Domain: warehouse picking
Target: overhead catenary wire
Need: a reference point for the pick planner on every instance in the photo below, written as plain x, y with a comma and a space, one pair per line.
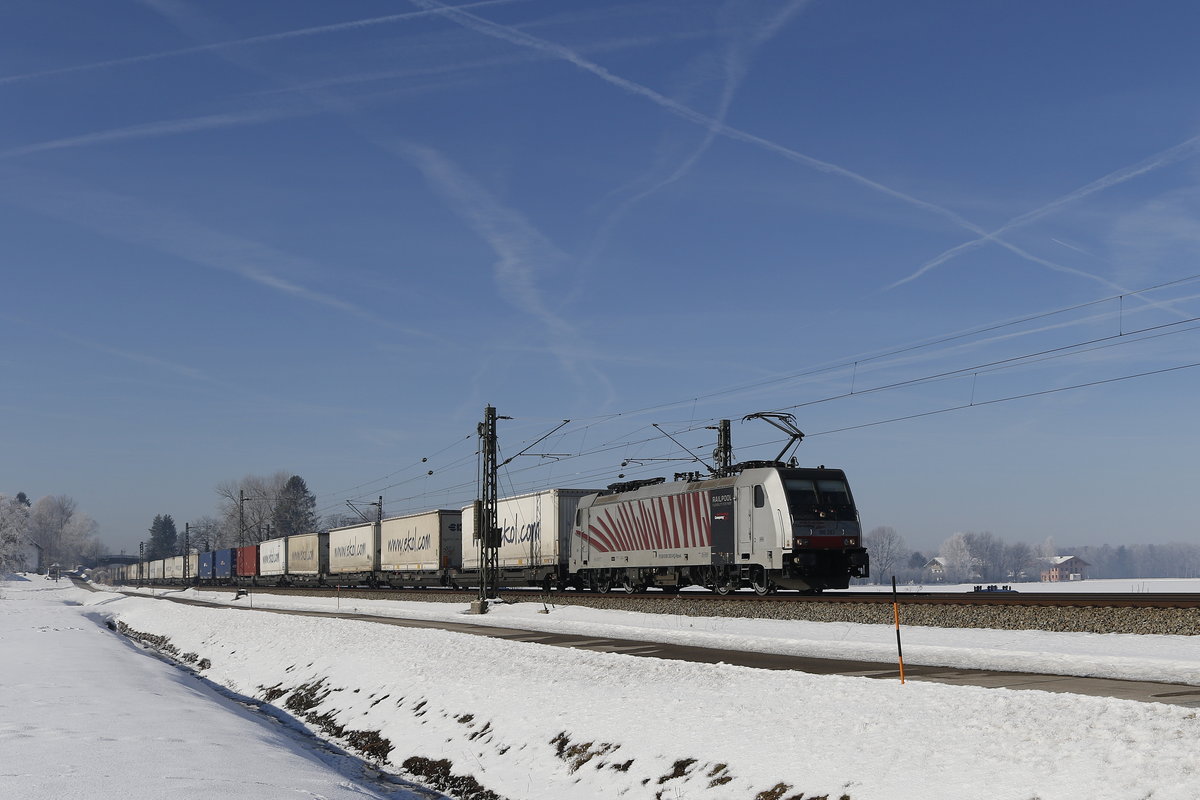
516, 478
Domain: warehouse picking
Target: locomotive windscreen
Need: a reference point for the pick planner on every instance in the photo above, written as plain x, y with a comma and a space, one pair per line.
812, 498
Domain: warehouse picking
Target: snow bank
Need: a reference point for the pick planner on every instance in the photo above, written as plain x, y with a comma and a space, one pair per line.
529, 721
1173, 659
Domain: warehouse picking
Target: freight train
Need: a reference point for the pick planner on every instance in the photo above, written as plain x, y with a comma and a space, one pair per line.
767, 526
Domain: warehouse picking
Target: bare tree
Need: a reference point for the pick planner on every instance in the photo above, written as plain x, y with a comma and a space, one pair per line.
1022, 562
48, 525
887, 549
204, 534
246, 506
957, 557
987, 554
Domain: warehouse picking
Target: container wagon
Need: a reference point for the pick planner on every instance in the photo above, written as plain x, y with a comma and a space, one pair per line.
224, 564
421, 549
246, 564
272, 561
354, 554
306, 558
535, 538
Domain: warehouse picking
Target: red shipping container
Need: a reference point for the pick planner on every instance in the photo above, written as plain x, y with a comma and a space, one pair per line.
247, 561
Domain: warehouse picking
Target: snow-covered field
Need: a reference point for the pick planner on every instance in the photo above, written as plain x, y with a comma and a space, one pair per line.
529, 721
1174, 659
1102, 586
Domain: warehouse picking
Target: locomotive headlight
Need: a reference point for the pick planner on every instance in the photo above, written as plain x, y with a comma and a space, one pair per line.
850, 542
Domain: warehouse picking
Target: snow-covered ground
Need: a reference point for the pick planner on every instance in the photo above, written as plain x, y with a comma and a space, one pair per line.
1101, 586
1173, 659
528, 721
86, 715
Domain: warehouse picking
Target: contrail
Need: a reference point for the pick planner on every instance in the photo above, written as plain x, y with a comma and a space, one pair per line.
520, 248
153, 129
252, 40
523, 39
124, 219
1179, 152
735, 59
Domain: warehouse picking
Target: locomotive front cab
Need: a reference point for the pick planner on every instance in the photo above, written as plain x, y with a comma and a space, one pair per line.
826, 536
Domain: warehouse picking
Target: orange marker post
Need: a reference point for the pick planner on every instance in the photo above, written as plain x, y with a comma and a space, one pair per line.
896, 613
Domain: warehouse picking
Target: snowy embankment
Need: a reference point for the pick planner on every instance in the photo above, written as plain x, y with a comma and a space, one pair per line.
1132, 586
1173, 659
528, 721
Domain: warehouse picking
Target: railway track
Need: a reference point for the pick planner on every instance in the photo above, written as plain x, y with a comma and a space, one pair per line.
1041, 599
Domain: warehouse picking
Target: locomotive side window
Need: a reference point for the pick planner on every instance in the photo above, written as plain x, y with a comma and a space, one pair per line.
760, 497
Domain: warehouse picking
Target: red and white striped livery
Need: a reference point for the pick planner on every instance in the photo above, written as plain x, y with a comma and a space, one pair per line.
765, 527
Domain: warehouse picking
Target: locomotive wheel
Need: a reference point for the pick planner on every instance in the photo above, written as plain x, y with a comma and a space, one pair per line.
723, 588
760, 584
603, 585
628, 586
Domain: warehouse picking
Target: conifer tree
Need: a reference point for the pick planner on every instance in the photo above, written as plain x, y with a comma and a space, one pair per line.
295, 511
163, 538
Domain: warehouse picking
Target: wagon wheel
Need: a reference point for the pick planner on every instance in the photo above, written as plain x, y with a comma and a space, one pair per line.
759, 582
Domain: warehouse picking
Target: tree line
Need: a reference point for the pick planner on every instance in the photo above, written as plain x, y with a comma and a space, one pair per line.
65, 535
253, 509
986, 558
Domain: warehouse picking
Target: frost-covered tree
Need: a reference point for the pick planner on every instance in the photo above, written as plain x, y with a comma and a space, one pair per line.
957, 559
887, 550
163, 538
48, 526
64, 534
1022, 562
295, 511
14, 530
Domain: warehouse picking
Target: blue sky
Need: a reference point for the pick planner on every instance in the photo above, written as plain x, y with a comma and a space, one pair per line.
320, 237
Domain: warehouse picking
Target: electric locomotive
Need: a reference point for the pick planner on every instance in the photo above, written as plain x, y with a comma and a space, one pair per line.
770, 526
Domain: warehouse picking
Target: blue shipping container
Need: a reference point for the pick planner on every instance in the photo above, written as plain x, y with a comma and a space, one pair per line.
205, 570
223, 563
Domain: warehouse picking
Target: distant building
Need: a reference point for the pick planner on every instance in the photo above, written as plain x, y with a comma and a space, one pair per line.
936, 569
1063, 568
